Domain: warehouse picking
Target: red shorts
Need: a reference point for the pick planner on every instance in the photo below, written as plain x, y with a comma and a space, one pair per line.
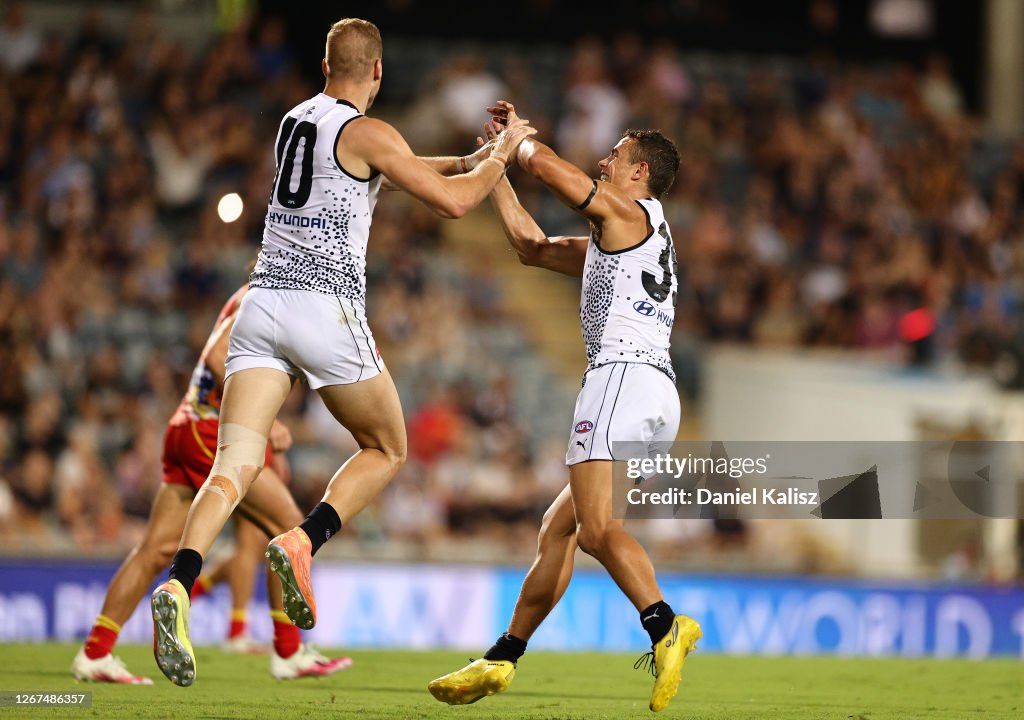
189, 449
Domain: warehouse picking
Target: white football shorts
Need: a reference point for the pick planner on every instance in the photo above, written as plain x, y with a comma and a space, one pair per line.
623, 402
320, 338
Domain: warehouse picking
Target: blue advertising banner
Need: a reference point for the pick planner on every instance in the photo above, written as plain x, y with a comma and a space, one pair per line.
44, 600
783, 616
467, 607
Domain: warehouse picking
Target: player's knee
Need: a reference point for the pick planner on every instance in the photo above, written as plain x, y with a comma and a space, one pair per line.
546, 525
392, 446
395, 453
592, 539
156, 556
240, 456
397, 458
164, 554
551, 530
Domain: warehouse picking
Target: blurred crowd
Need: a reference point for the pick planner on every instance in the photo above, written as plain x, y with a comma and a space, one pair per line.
817, 205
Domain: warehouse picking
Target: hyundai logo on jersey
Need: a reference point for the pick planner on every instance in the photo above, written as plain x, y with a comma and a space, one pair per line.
644, 308
584, 426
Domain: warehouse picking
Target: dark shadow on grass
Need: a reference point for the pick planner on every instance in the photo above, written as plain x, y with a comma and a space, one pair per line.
524, 693
35, 672
588, 696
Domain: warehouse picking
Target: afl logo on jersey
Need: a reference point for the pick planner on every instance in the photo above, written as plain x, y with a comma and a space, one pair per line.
644, 308
584, 426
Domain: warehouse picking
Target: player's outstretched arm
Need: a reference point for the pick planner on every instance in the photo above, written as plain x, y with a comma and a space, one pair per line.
565, 255
448, 164
595, 200
381, 147
458, 164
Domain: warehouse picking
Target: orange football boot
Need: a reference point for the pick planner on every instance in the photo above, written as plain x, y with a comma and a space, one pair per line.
290, 555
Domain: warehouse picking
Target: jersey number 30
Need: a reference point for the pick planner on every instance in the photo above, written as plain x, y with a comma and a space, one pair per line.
292, 131
659, 290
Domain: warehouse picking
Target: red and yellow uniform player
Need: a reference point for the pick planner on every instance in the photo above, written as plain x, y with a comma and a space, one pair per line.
190, 444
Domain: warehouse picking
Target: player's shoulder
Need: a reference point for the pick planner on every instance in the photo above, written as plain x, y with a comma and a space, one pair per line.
651, 207
319, 108
371, 126
368, 132
617, 204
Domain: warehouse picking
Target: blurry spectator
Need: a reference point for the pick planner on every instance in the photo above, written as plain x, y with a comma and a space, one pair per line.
668, 76
595, 110
628, 59
467, 87
412, 512
272, 57
8, 512
33, 487
23, 266
181, 155
781, 324
19, 44
966, 563
42, 424
435, 428
877, 324
86, 504
92, 36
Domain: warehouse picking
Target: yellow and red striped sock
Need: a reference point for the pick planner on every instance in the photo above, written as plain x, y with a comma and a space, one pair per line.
239, 622
286, 635
102, 637
202, 586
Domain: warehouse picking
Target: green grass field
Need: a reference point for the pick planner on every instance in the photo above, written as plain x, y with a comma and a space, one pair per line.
552, 686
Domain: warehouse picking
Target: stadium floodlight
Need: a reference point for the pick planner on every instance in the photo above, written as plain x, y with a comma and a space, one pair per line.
229, 208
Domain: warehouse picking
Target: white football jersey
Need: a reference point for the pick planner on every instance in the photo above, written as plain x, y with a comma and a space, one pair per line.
318, 217
627, 306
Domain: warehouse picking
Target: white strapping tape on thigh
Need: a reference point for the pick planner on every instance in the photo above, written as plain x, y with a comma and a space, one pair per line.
237, 447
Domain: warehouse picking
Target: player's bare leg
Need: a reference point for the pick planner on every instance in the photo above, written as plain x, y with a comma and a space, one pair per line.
129, 585
542, 588
288, 552
147, 559
371, 411
672, 636
551, 571
247, 561
269, 509
239, 572
605, 538
252, 399
269, 506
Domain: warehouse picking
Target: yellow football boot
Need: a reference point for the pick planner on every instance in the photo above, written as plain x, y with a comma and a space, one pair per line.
478, 679
171, 645
669, 655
